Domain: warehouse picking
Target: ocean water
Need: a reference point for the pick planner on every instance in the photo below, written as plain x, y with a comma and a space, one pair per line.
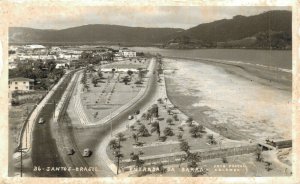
279, 59
259, 110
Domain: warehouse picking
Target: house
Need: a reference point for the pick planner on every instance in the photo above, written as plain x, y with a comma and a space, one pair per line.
127, 53
20, 83
118, 57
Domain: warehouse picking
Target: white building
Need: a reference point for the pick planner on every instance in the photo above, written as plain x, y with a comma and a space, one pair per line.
31, 47
127, 53
20, 83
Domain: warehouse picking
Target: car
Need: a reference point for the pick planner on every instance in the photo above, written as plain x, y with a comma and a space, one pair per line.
130, 117
70, 151
41, 121
86, 152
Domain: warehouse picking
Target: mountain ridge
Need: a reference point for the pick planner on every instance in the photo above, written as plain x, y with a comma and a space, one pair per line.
255, 31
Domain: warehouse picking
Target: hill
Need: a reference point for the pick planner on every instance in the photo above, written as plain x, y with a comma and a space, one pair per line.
272, 29
93, 33
269, 29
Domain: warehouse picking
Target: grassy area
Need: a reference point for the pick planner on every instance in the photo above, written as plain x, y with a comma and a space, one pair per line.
151, 145
109, 94
236, 166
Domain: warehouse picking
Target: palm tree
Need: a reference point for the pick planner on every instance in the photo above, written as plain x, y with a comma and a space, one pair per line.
258, 154
136, 158
179, 136
135, 137
154, 110
113, 144
120, 138
155, 128
118, 156
169, 111
195, 131
184, 146
211, 139
190, 121
175, 117
143, 131
95, 81
168, 131
169, 121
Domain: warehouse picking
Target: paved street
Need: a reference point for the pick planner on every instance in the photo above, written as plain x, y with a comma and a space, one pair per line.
44, 149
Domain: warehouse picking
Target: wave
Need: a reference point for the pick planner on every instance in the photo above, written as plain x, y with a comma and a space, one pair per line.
238, 62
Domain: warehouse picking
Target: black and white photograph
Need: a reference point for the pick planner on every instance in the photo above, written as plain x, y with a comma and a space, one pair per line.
150, 91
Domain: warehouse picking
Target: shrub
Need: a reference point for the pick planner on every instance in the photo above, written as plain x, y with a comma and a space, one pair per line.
162, 138
168, 131
143, 131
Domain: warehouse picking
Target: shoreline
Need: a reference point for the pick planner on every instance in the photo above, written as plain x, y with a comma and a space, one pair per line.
277, 79
209, 114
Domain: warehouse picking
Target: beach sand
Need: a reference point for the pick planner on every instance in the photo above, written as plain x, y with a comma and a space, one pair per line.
241, 102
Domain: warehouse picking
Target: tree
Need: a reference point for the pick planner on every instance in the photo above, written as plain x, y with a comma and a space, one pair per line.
169, 121
161, 168
95, 81
126, 80
211, 139
169, 111
135, 137
100, 75
113, 144
118, 156
180, 128
179, 136
159, 101
168, 131
129, 72
175, 117
143, 131
258, 154
155, 128
154, 110
121, 137
135, 157
190, 121
184, 146
196, 131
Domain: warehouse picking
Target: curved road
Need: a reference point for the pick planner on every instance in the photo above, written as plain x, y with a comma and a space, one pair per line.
99, 134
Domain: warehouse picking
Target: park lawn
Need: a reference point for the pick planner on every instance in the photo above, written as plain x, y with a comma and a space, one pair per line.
154, 147
237, 166
108, 95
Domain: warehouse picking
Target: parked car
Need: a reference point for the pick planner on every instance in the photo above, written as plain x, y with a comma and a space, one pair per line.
70, 151
41, 121
86, 152
130, 117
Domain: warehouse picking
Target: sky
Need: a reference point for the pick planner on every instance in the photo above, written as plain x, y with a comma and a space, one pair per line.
61, 17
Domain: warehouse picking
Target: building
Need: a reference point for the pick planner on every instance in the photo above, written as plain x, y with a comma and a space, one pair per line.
20, 84
127, 53
32, 47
